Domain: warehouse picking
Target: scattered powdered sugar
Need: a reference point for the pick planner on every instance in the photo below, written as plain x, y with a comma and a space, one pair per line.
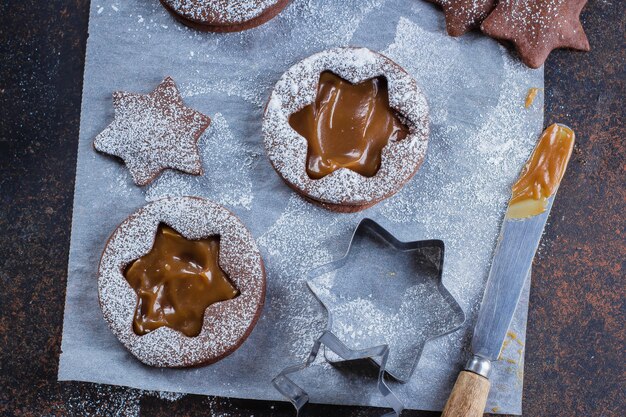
222, 11
325, 24
153, 132
225, 323
449, 206
287, 150
467, 14
487, 158
300, 239
241, 90
227, 169
536, 20
460, 193
108, 400
470, 87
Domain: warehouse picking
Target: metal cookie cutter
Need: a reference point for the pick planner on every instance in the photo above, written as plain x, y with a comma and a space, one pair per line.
299, 398
385, 299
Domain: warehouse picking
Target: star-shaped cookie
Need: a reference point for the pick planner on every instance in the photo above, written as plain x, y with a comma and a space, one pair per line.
154, 132
536, 27
464, 15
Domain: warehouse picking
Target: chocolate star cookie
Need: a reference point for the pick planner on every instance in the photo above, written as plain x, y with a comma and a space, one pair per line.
154, 132
536, 27
464, 15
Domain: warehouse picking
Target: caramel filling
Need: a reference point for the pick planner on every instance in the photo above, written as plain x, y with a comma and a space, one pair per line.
542, 173
176, 281
347, 126
530, 96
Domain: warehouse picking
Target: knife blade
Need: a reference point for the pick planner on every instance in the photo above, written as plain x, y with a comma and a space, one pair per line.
520, 233
515, 250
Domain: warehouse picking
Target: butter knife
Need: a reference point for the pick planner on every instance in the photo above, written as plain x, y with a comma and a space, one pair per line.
520, 233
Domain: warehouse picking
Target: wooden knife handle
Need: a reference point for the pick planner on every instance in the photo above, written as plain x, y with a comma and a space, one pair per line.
468, 397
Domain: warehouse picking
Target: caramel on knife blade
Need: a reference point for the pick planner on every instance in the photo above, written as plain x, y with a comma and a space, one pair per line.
542, 173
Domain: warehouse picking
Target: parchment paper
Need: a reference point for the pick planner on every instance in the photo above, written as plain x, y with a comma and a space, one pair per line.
481, 136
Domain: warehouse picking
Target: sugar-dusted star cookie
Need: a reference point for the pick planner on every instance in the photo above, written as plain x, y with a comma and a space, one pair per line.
154, 132
464, 15
536, 27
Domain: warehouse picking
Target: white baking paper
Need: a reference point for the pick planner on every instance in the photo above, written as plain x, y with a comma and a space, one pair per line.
481, 136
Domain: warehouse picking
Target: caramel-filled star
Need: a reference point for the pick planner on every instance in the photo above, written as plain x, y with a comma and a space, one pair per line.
347, 126
536, 27
176, 281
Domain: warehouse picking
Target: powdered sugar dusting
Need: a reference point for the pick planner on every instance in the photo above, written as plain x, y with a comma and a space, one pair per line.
241, 90
297, 242
296, 89
536, 21
464, 205
233, 75
463, 15
225, 11
444, 203
108, 400
227, 170
500, 146
153, 132
324, 24
225, 323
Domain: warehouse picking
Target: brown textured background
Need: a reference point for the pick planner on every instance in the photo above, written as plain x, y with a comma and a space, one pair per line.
575, 357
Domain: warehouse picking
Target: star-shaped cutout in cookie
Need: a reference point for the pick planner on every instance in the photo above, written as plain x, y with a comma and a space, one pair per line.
536, 27
464, 15
347, 126
176, 281
154, 132
387, 292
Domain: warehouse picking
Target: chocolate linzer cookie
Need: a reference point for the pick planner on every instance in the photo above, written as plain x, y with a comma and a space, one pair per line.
181, 282
346, 128
224, 15
464, 15
154, 132
536, 27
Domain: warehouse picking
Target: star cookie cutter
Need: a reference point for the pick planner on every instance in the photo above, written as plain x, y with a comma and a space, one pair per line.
299, 398
399, 304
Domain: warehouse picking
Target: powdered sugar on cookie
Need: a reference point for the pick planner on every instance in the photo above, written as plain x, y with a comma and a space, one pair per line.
154, 132
287, 150
226, 324
231, 11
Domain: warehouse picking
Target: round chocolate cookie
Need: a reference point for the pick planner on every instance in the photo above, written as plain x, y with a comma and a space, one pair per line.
224, 15
181, 282
346, 128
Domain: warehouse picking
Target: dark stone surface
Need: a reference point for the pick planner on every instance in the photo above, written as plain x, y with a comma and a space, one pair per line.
575, 348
